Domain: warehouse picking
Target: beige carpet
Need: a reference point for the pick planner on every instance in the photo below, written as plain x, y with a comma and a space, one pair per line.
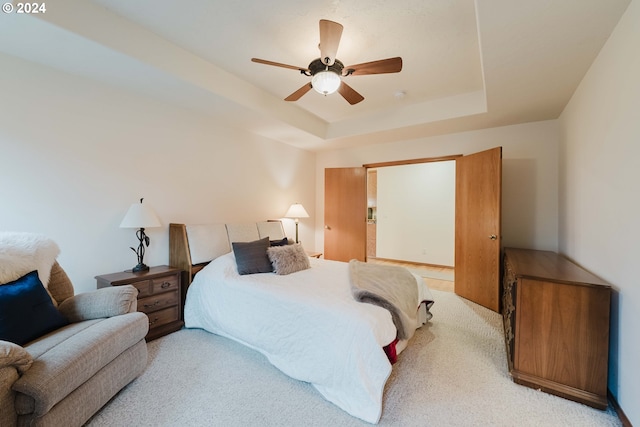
447, 275
454, 373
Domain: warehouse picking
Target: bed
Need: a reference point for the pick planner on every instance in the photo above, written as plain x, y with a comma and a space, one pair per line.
307, 324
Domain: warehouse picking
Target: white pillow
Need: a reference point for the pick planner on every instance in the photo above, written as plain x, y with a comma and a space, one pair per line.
21, 253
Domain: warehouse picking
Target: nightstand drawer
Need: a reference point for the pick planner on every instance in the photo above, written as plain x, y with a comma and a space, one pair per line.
164, 284
158, 302
144, 288
161, 317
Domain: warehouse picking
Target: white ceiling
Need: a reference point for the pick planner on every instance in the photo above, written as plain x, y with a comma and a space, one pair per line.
466, 64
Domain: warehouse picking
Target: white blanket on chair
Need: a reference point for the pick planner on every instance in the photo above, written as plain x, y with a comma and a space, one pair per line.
21, 253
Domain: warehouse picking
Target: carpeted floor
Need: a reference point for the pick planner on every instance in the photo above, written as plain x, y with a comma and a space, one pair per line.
447, 275
454, 373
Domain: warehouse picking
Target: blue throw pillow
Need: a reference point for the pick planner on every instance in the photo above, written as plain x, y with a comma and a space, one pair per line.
251, 257
26, 310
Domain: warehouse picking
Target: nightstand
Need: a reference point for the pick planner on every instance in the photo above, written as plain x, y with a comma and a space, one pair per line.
159, 296
314, 254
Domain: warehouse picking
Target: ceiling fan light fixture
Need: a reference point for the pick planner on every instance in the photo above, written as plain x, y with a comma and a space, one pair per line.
325, 82
327, 71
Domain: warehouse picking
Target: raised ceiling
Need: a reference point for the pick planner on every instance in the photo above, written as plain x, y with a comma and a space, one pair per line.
467, 64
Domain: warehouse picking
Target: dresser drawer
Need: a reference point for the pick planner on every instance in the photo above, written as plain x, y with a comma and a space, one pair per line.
144, 288
158, 302
162, 317
164, 284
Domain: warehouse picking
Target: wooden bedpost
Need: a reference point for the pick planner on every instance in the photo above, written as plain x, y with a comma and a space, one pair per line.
179, 254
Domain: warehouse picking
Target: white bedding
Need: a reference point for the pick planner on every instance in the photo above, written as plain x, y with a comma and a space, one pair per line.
307, 324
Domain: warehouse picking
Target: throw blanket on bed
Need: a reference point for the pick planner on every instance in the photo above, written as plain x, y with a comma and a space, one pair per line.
390, 287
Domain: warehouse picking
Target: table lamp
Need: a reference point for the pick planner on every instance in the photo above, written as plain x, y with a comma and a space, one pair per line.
140, 216
296, 211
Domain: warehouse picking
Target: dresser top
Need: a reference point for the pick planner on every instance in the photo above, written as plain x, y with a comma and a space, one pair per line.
547, 265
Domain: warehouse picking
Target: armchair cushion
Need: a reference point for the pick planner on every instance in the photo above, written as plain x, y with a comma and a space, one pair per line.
26, 310
13, 355
105, 302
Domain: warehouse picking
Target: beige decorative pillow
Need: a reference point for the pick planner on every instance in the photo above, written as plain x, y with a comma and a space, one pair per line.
288, 259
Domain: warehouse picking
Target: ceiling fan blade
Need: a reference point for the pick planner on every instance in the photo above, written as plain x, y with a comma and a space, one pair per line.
349, 94
298, 94
382, 66
330, 33
277, 64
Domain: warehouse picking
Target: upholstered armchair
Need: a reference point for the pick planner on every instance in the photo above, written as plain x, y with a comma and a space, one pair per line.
77, 355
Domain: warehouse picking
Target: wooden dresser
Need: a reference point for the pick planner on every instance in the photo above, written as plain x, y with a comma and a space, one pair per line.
159, 296
556, 323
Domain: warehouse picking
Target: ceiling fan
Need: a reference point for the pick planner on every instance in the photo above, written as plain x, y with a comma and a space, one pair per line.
326, 72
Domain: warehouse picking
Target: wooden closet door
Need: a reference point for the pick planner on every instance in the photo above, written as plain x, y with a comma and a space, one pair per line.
345, 213
478, 216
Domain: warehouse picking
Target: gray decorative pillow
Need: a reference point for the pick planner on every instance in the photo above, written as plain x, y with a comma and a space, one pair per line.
282, 242
288, 259
251, 257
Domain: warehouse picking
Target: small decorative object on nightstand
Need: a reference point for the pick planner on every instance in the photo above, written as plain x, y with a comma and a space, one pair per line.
159, 296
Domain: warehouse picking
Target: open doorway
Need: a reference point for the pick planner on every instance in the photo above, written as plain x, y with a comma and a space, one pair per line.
411, 216
478, 199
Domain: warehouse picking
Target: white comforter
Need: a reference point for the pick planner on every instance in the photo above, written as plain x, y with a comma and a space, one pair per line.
307, 324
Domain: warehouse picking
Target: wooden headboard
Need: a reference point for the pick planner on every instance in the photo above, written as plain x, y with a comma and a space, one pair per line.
192, 247
179, 254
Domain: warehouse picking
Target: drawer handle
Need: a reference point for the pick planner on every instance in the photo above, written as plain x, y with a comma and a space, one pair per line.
165, 285
152, 305
151, 322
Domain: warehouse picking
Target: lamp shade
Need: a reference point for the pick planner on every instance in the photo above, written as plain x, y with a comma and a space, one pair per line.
325, 82
140, 215
296, 210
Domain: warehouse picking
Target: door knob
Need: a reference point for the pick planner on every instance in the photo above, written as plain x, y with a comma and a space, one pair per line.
326, 227
493, 237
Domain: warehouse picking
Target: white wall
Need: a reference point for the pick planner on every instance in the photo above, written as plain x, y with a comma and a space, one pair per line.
416, 212
599, 197
529, 175
75, 154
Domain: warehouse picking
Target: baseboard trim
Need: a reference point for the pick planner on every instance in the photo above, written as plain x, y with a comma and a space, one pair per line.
417, 264
616, 407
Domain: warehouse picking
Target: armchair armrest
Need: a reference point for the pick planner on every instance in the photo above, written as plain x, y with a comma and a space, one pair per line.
12, 355
105, 302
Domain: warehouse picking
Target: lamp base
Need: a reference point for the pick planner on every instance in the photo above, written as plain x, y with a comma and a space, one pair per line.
140, 267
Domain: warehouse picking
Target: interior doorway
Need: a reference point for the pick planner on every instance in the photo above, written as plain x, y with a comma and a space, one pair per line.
478, 197
411, 212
